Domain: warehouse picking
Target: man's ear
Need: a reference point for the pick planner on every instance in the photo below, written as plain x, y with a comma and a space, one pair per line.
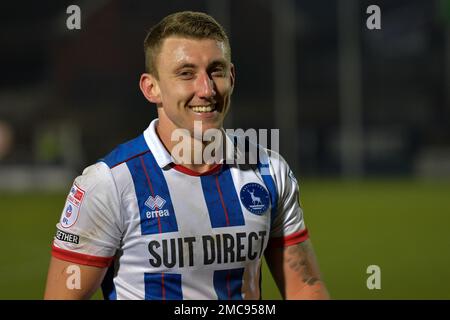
150, 88
232, 77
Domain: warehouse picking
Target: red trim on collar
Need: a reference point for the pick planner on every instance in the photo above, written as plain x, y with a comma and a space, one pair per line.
216, 168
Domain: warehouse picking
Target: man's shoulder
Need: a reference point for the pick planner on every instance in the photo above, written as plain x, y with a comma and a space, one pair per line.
99, 175
126, 151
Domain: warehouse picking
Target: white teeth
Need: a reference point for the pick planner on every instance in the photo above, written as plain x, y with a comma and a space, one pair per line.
201, 109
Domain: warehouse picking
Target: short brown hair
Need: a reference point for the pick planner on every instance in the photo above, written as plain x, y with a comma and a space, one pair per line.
189, 24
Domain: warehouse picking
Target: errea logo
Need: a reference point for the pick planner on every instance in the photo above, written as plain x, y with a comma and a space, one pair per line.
155, 202
158, 203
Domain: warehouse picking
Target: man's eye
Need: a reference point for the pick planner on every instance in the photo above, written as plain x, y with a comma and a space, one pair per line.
218, 72
186, 74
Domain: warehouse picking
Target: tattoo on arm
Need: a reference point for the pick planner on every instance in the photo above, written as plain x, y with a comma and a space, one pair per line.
301, 259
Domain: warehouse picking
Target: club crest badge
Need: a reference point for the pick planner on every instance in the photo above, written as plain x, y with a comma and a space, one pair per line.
255, 198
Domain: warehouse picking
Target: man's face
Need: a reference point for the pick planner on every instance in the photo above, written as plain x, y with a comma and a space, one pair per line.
195, 83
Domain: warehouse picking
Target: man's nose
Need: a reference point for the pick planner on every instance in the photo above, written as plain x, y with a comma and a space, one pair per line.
205, 86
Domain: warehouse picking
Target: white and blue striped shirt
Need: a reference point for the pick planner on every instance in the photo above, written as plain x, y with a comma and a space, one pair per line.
167, 232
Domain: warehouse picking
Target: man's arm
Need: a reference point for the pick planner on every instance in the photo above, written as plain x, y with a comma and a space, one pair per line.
60, 287
296, 272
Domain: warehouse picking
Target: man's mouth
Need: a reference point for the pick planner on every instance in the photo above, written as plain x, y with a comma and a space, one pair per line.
204, 108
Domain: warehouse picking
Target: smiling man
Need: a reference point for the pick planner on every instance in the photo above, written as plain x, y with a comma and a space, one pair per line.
146, 224
192, 84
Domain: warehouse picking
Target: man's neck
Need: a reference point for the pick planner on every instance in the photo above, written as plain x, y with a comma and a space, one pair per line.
195, 148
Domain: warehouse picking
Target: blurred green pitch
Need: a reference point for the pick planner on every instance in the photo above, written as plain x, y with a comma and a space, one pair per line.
403, 226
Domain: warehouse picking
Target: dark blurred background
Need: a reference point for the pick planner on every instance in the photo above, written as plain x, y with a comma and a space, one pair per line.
363, 117
348, 101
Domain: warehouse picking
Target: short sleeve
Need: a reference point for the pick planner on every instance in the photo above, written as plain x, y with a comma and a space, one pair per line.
288, 226
90, 229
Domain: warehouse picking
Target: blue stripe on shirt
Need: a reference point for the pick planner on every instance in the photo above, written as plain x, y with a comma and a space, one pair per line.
163, 286
222, 201
228, 284
270, 185
108, 287
151, 187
